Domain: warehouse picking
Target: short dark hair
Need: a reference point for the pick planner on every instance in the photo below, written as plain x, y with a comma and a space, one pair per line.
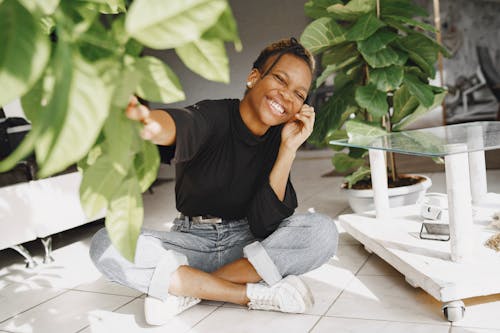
281, 47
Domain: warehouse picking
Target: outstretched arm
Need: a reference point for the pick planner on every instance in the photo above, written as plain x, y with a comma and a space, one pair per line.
159, 126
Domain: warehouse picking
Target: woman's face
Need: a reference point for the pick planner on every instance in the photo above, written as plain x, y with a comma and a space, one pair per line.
278, 96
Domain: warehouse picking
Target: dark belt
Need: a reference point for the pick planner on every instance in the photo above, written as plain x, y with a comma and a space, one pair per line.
201, 218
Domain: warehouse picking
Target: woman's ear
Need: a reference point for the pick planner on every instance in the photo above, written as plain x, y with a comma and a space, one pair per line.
252, 78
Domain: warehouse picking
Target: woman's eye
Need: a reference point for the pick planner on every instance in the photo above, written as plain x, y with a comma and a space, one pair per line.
300, 96
279, 78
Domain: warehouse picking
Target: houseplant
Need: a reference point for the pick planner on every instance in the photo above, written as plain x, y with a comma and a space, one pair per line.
75, 64
382, 57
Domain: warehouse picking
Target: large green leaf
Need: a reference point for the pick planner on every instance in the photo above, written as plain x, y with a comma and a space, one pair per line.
45, 7
333, 114
387, 78
225, 29
206, 58
404, 104
404, 8
317, 8
158, 82
422, 50
146, 164
120, 134
321, 34
420, 111
372, 99
344, 163
420, 90
360, 128
362, 173
124, 217
352, 75
339, 54
24, 50
99, 182
364, 27
163, 24
86, 102
377, 41
413, 23
385, 57
352, 10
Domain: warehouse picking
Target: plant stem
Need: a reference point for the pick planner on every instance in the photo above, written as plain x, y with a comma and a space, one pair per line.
378, 8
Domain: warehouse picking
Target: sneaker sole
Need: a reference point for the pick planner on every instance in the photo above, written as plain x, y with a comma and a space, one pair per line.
303, 289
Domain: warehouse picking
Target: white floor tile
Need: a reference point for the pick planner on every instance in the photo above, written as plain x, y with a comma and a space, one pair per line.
347, 325
326, 283
350, 257
72, 267
21, 296
130, 318
66, 313
102, 285
231, 320
386, 298
377, 266
481, 312
472, 330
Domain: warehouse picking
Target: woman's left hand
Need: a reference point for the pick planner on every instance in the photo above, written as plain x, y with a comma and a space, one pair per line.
297, 130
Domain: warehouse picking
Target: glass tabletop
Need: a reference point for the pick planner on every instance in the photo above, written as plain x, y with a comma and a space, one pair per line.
435, 141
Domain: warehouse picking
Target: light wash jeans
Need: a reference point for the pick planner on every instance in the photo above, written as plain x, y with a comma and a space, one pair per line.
301, 243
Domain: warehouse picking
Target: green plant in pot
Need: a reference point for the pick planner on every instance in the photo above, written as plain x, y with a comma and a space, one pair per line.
382, 58
75, 65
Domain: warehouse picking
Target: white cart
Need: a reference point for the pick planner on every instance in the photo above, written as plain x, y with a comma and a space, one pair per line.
449, 271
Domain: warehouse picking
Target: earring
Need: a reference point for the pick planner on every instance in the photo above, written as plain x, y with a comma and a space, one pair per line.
249, 84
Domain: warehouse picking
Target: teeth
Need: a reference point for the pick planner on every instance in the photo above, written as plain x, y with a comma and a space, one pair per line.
278, 107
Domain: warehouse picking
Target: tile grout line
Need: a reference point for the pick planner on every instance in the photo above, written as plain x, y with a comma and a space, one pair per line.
202, 319
118, 308
64, 291
395, 321
348, 283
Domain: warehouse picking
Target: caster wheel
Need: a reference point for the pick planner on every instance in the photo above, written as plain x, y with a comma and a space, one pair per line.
454, 311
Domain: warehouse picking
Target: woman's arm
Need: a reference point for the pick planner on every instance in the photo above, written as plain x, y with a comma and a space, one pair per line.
294, 133
159, 126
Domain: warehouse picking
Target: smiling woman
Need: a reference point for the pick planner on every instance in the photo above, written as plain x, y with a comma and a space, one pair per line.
236, 201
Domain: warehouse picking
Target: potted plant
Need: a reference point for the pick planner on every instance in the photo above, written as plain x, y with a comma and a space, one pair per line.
75, 64
382, 58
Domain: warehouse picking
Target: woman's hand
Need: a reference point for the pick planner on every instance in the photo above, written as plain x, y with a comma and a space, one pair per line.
138, 112
298, 129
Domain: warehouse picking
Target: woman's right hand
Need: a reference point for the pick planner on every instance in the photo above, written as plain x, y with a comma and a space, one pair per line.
138, 112
159, 126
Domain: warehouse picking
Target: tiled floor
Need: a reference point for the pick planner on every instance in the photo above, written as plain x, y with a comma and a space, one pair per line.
354, 292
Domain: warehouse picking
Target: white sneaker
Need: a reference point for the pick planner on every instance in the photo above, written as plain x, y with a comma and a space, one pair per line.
158, 312
288, 295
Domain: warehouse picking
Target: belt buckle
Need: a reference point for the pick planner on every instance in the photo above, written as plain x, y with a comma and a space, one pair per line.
201, 219
211, 220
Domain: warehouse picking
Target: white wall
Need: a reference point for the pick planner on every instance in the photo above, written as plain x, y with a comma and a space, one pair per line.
259, 22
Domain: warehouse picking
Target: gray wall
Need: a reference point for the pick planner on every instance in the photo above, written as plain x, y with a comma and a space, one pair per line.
465, 24
259, 22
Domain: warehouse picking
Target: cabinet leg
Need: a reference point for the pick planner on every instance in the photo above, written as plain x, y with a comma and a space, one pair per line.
30, 262
47, 245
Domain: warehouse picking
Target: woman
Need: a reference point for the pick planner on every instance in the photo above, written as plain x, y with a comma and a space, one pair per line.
236, 239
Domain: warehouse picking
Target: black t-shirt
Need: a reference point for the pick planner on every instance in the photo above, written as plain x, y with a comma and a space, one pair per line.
222, 169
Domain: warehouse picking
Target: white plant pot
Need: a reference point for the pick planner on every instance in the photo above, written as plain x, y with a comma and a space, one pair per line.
362, 200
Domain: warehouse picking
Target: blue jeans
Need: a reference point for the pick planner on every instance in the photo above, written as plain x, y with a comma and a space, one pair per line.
301, 243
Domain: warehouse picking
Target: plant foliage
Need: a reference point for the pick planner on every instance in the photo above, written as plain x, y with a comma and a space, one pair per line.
75, 64
382, 66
